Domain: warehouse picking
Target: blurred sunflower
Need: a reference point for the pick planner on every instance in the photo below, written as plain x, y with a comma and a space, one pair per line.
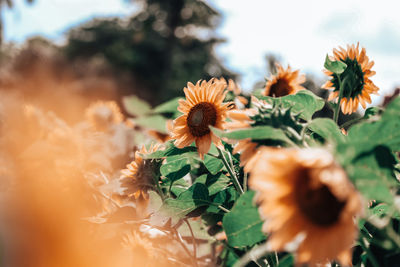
141, 174
102, 114
285, 82
306, 197
357, 86
143, 251
202, 108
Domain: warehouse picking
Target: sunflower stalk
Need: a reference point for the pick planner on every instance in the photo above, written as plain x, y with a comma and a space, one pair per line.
341, 89
231, 172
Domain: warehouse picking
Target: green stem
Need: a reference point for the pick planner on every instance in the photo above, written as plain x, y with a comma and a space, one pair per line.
223, 209
159, 190
231, 172
252, 255
341, 89
370, 256
245, 181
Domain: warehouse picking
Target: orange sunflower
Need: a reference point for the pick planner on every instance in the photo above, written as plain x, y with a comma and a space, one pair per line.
306, 197
358, 87
285, 82
202, 108
141, 174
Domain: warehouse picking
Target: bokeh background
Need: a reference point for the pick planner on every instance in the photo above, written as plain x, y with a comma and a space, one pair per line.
155, 47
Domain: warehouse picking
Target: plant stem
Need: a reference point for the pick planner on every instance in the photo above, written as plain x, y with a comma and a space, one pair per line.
245, 181
223, 209
231, 172
370, 256
341, 89
193, 240
252, 255
182, 243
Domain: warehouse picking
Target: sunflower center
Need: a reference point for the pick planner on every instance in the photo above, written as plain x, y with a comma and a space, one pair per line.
200, 117
352, 79
280, 88
317, 202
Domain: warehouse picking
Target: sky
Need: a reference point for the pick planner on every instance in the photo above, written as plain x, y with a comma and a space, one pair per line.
301, 33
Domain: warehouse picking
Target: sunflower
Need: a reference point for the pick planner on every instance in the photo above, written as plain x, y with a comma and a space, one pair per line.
306, 197
143, 251
102, 114
285, 82
202, 108
357, 87
141, 174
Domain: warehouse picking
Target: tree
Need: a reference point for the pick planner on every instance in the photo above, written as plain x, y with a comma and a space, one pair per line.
166, 44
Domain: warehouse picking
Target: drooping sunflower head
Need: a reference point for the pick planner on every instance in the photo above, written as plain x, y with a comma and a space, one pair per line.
285, 82
141, 174
357, 87
305, 194
102, 114
202, 108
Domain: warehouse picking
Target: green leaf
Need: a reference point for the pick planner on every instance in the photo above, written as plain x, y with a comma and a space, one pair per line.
170, 150
336, 67
304, 102
242, 224
175, 169
255, 133
327, 129
156, 122
170, 106
386, 131
287, 261
176, 209
372, 174
213, 164
135, 106
214, 183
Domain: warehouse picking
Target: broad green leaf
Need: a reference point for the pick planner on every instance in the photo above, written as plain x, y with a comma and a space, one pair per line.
170, 106
242, 224
214, 183
255, 133
386, 131
336, 67
372, 174
176, 209
327, 129
225, 198
170, 150
135, 106
287, 261
156, 122
304, 102
213, 164
176, 169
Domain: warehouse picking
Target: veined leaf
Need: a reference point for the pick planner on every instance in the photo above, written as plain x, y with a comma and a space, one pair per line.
327, 129
242, 224
304, 102
176, 209
256, 133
